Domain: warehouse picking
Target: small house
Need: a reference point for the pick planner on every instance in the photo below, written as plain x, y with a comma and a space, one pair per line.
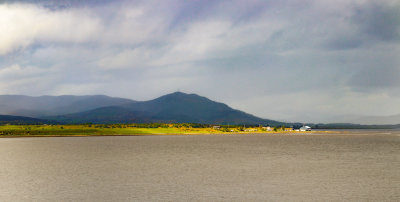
216, 127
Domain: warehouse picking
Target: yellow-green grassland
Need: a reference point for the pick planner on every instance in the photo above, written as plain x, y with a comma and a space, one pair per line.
131, 129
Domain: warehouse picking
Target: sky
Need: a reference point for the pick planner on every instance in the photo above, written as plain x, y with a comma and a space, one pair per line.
289, 60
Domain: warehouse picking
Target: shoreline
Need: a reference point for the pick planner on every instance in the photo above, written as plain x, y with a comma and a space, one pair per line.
215, 133
308, 133
12, 131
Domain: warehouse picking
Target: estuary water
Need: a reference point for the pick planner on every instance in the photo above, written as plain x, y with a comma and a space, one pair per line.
355, 166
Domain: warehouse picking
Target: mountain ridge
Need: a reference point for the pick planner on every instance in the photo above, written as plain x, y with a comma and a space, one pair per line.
175, 107
38, 106
21, 120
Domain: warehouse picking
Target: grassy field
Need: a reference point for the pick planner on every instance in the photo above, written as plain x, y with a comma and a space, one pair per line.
118, 129
88, 130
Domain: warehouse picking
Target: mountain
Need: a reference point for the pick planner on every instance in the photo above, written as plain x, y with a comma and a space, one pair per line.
18, 120
103, 115
182, 107
177, 107
21, 105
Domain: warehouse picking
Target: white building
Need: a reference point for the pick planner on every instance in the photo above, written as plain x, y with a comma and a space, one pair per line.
305, 128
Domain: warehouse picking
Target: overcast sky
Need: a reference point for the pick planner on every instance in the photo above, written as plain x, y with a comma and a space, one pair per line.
292, 60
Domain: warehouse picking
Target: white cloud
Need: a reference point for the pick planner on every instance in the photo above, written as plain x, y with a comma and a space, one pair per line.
127, 58
214, 39
133, 25
22, 25
76, 89
16, 72
28, 80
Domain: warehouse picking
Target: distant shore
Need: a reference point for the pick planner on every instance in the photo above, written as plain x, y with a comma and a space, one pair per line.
169, 134
139, 130
135, 130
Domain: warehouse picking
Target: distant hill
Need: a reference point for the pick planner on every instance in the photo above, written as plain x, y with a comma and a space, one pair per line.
394, 119
21, 105
363, 119
21, 120
176, 107
104, 115
353, 126
182, 107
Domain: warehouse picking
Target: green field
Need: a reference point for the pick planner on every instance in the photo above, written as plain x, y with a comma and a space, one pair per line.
124, 129
86, 130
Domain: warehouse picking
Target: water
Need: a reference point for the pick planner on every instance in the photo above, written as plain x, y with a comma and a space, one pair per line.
350, 167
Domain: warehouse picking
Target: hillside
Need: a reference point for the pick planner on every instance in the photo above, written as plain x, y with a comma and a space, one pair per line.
21, 105
173, 108
182, 107
21, 120
176, 107
103, 115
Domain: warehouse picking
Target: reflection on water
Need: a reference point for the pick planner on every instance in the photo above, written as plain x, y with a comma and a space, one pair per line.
202, 167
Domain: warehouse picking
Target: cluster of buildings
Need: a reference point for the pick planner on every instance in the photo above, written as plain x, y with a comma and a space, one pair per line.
268, 128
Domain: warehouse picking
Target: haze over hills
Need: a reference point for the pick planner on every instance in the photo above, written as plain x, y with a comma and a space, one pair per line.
21, 105
394, 119
362, 119
8, 119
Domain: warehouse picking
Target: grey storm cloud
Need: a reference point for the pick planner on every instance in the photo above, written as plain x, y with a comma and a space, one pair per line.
379, 21
300, 60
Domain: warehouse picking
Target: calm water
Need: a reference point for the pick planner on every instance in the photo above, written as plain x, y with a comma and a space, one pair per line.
362, 166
